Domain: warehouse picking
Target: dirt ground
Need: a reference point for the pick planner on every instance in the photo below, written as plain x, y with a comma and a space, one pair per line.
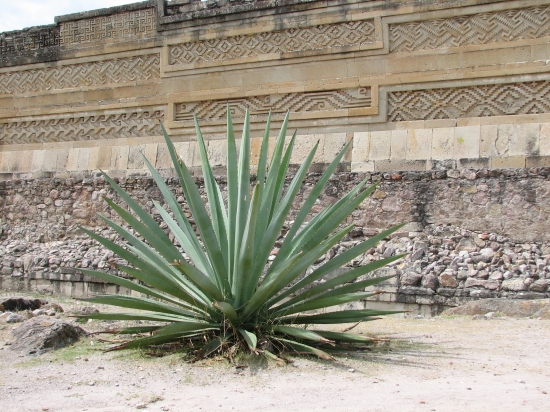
438, 364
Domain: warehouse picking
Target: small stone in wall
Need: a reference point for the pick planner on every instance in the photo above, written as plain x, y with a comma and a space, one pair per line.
446, 280
540, 285
514, 285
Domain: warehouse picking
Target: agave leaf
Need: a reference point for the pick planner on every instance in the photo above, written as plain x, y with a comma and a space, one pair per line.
166, 334
160, 317
211, 347
126, 283
319, 220
301, 348
250, 338
340, 280
268, 287
301, 334
310, 201
228, 310
335, 263
243, 200
151, 257
243, 268
308, 259
189, 241
274, 228
213, 193
170, 253
345, 337
325, 302
142, 214
141, 303
262, 163
157, 278
138, 329
232, 194
202, 220
343, 316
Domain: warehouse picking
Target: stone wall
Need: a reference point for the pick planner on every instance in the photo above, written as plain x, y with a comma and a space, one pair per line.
417, 85
471, 234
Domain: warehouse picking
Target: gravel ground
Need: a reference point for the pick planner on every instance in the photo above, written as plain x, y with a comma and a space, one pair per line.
439, 364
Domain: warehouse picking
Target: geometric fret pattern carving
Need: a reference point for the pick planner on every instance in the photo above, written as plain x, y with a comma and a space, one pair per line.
292, 40
114, 26
473, 101
483, 28
79, 128
323, 101
31, 39
78, 75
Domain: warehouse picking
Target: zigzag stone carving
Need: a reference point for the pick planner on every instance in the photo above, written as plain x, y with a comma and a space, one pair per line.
322, 101
79, 128
78, 75
114, 26
328, 36
497, 27
474, 101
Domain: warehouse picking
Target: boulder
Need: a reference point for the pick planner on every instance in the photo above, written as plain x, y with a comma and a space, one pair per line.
20, 304
42, 334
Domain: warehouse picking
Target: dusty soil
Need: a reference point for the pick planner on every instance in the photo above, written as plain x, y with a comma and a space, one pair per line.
439, 364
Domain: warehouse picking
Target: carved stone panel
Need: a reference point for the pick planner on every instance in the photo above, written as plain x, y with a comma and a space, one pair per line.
78, 75
30, 39
329, 36
109, 27
306, 102
473, 101
84, 127
483, 28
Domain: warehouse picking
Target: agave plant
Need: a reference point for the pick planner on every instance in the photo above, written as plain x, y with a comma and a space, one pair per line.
216, 285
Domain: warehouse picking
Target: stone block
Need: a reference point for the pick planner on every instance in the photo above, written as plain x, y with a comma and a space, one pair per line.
544, 139
119, 158
508, 162
517, 139
78, 158
380, 145
38, 158
333, 144
466, 142
442, 143
488, 137
100, 158
514, 285
357, 167
398, 149
21, 161
537, 161
360, 150
419, 144
61, 159
217, 152
396, 165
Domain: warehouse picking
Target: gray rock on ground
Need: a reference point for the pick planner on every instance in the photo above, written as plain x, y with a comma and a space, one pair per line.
42, 334
513, 308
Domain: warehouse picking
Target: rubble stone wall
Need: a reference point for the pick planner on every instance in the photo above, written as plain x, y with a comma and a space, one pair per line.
471, 234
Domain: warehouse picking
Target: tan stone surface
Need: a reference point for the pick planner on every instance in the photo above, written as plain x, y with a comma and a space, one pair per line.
444, 81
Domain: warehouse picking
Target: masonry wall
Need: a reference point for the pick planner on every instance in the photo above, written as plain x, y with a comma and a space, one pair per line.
446, 102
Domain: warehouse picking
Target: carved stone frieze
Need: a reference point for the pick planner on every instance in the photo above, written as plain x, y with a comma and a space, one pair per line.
473, 101
109, 27
306, 102
329, 36
482, 28
31, 39
78, 75
84, 127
